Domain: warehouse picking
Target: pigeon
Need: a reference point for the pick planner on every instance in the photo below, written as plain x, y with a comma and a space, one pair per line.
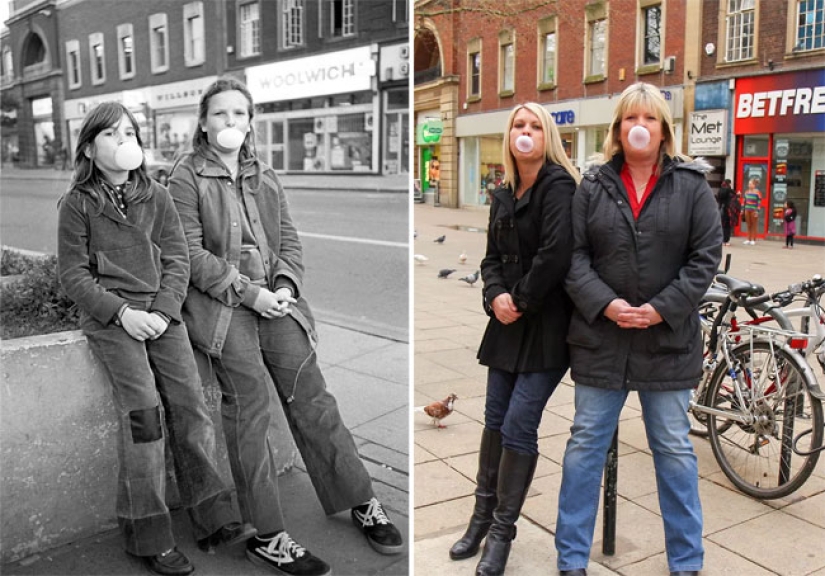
444, 272
439, 409
462, 258
420, 258
471, 278
441, 239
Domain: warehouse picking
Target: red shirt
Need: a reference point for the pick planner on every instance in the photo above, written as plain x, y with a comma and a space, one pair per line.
636, 203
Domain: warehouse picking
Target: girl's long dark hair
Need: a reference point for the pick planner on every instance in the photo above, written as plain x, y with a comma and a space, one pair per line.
200, 140
87, 177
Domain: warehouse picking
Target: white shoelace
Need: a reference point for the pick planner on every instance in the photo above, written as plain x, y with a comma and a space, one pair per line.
283, 548
375, 514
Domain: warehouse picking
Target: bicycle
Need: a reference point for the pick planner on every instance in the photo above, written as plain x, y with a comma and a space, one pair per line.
758, 393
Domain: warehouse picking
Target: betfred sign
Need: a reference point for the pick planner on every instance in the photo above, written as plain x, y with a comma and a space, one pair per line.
707, 135
780, 103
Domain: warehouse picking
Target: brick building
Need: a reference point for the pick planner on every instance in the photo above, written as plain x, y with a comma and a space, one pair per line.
329, 77
762, 76
571, 56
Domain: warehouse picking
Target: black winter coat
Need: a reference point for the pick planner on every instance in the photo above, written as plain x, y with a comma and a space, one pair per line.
667, 258
528, 255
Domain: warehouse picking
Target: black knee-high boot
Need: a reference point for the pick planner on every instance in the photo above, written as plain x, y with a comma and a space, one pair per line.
515, 476
486, 485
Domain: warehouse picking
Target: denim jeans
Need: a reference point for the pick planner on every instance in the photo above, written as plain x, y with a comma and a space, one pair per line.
258, 352
515, 404
153, 382
677, 474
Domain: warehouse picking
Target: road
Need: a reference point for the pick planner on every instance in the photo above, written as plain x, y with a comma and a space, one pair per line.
355, 248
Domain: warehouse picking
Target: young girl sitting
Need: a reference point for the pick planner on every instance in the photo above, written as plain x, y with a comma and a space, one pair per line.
122, 258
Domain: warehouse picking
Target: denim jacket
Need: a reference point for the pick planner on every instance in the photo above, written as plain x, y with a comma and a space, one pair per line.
205, 196
106, 260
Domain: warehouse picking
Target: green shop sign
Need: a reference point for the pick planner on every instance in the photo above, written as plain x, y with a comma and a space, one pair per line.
429, 132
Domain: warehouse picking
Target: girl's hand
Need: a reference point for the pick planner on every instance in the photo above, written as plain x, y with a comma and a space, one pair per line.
505, 309
273, 304
142, 325
160, 326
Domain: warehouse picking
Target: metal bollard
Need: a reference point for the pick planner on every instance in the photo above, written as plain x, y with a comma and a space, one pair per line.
611, 473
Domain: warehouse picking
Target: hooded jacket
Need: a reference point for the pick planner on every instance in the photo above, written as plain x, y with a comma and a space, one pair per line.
666, 258
528, 255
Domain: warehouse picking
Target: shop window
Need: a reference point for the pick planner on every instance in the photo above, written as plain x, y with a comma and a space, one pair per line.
341, 18
547, 53
507, 63
651, 27
159, 43
755, 146
810, 29
292, 23
97, 60
193, 36
249, 29
125, 51
73, 64
740, 25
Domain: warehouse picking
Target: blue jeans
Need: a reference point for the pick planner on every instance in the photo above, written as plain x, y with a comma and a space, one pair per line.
677, 474
515, 404
257, 353
154, 383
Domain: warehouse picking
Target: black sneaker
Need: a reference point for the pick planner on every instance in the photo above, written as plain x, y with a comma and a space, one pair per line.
284, 555
382, 535
229, 535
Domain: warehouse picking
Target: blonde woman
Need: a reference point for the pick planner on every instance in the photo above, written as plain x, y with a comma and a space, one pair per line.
527, 258
647, 240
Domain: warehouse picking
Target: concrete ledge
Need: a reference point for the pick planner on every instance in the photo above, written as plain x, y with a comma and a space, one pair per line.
58, 434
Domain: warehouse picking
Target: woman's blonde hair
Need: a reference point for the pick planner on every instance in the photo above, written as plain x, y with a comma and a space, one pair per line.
553, 147
646, 97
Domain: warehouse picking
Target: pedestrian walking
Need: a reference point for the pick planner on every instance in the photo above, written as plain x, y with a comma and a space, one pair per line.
726, 198
789, 223
636, 278
247, 314
122, 259
524, 348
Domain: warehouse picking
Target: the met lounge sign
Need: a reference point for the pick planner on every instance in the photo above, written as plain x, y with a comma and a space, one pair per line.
332, 73
708, 133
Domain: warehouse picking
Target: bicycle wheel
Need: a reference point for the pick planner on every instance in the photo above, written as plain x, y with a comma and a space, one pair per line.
767, 385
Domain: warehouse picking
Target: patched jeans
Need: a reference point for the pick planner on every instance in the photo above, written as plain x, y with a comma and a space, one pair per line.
515, 404
256, 353
677, 475
154, 383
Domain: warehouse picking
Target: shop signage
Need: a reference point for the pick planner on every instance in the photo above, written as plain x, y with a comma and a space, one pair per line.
564, 117
708, 133
331, 73
178, 94
429, 132
789, 103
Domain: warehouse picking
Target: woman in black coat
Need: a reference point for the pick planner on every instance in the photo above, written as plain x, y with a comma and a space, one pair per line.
647, 241
528, 255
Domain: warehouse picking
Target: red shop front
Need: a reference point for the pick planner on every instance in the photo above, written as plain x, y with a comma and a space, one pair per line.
779, 124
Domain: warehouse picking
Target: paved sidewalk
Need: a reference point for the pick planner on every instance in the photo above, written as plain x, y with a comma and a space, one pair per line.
369, 377
742, 535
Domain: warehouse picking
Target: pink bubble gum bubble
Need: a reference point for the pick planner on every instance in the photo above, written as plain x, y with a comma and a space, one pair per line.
638, 137
524, 144
128, 156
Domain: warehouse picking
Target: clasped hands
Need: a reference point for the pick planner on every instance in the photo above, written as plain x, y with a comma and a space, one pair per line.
627, 316
505, 309
142, 325
274, 304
